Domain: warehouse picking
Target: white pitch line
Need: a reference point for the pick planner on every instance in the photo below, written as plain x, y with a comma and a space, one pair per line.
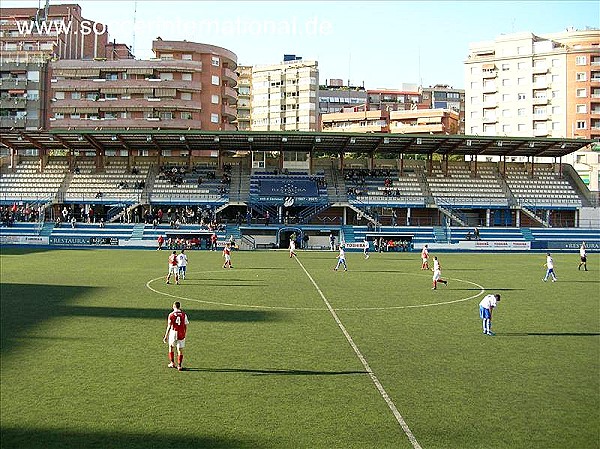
365, 364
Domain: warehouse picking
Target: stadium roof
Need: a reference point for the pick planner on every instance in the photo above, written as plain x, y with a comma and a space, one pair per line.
329, 143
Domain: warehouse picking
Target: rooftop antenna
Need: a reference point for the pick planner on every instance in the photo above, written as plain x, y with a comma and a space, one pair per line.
133, 38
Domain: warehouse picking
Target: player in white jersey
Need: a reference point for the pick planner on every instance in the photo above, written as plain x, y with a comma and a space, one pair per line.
437, 273
292, 247
182, 261
549, 268
487, 304
366, 248
341, 259
583, 257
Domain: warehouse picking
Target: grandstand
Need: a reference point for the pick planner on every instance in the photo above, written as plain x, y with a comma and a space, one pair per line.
425, 190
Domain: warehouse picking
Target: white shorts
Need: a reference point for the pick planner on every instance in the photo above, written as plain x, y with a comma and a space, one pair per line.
227, 258
425, 259
437, 274
179, 344
173, 269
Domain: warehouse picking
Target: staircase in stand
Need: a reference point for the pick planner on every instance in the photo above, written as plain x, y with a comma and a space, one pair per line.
531, 213
347, 234
138, 232
439, 234
46, 229
527, 235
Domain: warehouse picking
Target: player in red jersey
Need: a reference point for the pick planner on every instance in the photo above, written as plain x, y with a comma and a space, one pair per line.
176, 328
227, 255
173, 268
425, 258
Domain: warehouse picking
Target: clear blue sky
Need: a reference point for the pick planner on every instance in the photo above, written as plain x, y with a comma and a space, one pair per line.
380, 43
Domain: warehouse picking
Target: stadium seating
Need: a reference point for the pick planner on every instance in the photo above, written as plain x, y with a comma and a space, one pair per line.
544, 189
116, 183
460, 188
26, 183
183, 186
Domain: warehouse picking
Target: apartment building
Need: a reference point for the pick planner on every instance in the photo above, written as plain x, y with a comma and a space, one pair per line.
284, 96
244, 90
334, 96
404, 99
527, 85
443, 96
416, 121
60, 31
187, 86
356, 119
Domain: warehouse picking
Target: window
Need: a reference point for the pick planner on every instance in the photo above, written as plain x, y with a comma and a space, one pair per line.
555, 78
489, 130
474, 85
474, 129
186, 95
554, 93
505, 112
521, 96
520, 81
474, 100
521, 111
521, 50
580, 76
581, 93
166, 56
506, 82
215, 61
214, 99
474, 114
167, 76
506, 129
556, 110
580, 124
112, 76
505, 97
521, 127
539, 110
214, 118
59, 95
186, 57
75, 95
505, 67
186, 77
555, 126
215, 80
186, 115
581, 108
555, 62
580, 60
521, 66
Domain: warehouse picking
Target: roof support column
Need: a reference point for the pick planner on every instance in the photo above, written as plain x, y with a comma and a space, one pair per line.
371, 161
99, 160
341, 161
190, 163
446, 164
429, 164
401, 165
130, 162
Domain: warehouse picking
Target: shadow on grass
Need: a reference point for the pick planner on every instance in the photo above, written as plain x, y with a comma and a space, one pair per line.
68, 439
281, 372
24, 307
241, 316
548, 334
31, 305
579, 282
20, 250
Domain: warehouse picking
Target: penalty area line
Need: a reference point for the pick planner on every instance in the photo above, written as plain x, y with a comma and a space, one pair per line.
365, 364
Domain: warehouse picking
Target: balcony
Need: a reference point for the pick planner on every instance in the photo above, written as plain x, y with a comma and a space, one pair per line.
122, 86
539, 101
135, 104
415, 129
490, 119
230, 93
487, 74
490, 104
228, 111
13, 83
230, 76
540, 132
13, 103
540, 70
125, 123
540, 117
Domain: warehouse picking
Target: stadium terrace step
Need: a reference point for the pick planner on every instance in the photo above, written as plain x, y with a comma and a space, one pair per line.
138, 231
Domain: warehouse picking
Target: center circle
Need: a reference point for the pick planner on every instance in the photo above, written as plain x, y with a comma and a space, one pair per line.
345, 309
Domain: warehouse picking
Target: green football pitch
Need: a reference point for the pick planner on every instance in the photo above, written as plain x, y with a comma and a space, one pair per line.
287, 353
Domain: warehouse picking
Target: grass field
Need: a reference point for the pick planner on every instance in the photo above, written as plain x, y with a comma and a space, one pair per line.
268, 366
